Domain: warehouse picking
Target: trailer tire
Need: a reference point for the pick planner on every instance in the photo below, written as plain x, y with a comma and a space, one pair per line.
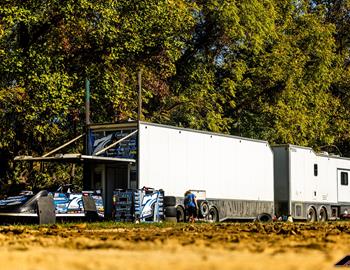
263, 217
170, 211
323, 214
169, 201
180, 214
311, 215
171, 219
213, 214
203, 208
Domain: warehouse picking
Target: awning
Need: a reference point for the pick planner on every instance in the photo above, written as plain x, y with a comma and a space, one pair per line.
73, 158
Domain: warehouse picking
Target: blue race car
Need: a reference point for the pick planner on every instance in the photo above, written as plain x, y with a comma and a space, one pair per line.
67, 204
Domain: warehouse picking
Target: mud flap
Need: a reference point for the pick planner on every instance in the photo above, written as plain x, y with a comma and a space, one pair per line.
46, 210
90, 208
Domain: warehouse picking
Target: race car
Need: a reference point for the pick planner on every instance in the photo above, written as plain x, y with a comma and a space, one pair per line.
62, 203
71, 204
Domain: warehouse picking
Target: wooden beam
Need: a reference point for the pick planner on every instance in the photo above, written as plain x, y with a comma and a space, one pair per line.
64, 145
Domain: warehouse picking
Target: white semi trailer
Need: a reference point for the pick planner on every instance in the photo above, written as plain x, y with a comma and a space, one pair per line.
310, 186
235, 172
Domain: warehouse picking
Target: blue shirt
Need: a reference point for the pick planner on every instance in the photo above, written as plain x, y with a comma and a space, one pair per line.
189, 200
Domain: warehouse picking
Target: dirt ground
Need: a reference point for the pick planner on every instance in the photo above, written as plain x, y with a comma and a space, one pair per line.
175, 246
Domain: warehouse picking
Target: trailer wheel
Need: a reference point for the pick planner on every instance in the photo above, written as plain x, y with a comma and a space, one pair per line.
311, 215
170, 211
169, 201
203, 208
264, 217
180, 214
213, 214
323, 214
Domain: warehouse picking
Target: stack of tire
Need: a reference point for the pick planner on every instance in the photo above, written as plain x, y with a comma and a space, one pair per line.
177, 214
170, 211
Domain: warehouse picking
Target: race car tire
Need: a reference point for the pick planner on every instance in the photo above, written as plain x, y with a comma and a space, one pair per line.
170, 211
171, 219
169, 201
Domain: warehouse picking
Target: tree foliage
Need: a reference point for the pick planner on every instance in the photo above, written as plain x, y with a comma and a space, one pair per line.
267, 69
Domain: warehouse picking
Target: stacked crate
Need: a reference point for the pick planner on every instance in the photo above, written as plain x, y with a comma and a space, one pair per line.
123, 205
138, 195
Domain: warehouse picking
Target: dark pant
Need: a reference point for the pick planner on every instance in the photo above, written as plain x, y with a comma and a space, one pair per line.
191, 211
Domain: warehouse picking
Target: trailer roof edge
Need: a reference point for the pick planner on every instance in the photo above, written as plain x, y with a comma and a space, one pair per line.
204, 132
311, 149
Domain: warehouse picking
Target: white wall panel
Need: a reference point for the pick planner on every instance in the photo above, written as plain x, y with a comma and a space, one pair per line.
226, 167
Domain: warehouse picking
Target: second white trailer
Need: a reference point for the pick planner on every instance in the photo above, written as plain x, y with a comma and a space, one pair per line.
310, 186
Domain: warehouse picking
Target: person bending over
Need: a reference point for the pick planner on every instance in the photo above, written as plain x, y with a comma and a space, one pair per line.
191, 206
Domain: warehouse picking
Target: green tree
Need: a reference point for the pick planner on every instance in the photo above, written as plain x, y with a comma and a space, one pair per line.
337, 12
294, 76
48, 48
267, 69
211, 69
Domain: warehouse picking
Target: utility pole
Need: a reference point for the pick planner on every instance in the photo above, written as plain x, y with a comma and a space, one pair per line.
86, 167
87, 102
139, 115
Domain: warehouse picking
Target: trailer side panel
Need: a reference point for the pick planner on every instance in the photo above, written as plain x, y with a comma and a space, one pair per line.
228, 168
